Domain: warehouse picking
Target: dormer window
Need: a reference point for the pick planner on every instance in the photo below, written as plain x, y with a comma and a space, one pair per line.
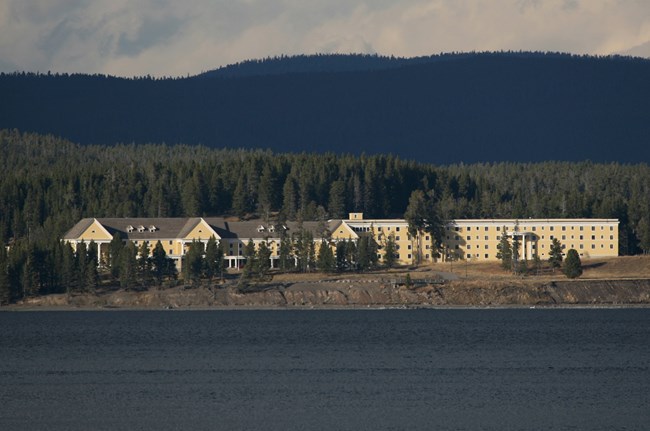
152, 228
260, 228
141, 229
129, 228
271, 228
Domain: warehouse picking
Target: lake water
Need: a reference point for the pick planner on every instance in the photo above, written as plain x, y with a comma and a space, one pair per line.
507, 369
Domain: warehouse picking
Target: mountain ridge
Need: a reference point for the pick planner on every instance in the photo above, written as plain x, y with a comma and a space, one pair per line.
520, 107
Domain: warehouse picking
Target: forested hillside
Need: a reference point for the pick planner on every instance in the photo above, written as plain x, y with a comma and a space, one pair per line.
48, 184
442, 109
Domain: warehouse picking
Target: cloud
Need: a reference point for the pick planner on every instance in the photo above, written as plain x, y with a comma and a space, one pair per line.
165, 37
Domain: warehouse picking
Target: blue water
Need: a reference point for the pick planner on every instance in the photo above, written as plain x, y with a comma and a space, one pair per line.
511, 369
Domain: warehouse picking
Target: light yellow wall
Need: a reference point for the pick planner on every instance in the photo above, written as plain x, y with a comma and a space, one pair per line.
95, 232
479, 240
202, 231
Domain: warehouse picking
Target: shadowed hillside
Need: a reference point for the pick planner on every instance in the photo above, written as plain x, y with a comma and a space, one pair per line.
441, 109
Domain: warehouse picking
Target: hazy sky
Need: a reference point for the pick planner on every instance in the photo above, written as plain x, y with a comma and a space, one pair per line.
172, 38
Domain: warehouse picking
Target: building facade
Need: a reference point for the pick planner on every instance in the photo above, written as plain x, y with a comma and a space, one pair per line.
473, 240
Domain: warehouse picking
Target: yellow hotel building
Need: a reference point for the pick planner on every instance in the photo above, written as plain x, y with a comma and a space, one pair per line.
473, 240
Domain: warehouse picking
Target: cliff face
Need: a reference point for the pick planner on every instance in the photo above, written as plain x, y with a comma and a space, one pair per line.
457, 293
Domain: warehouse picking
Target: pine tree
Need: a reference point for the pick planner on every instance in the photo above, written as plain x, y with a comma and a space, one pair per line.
555, 254
505, 251
325, 261
213, 259
159, 262
572, 265
423, 216
144, 264
285, 255
115, 251
341, 255
390, 251
263, 260
336, 204
193, 262
251, 257
128, 266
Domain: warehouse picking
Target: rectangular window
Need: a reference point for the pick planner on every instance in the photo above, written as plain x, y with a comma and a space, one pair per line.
486, 237
580, 237
397, 228
397, 238
550, 228
582, 246
611, 246
593, 246
426, 238
469, 237
486, 255
409, 247
469, 228
611, 237
551, 237
581, 227
486, 246
469, 246
593, 237
408, 256
486, 228
563, 227
593, 228
498, 228
563, 237
469, 255
426, 256
534, 228
611, 228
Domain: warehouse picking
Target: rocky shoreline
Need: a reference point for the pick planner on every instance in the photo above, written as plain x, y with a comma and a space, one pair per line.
360, 294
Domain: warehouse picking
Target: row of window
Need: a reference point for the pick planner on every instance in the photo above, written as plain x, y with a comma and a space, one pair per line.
532, 228
551, 237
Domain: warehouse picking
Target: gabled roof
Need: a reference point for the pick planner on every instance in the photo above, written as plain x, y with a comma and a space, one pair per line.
78, 229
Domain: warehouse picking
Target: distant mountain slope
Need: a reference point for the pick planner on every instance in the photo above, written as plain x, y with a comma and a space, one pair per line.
441, 109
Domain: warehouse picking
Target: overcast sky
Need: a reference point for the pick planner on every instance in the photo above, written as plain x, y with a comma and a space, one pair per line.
177, 38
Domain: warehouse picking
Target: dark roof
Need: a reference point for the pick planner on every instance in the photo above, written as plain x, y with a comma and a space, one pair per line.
181, 227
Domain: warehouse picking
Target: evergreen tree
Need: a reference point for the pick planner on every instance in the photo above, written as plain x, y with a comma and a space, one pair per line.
336, 204
159, 263
341, 256
505, 251
351, 255
193, 262
422, 216
572, 265
325, 261
115, 251
390, 251
67, 269
285, 254
251, 260
128, 266
555, 254
213, 259
144, 264
263, 260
